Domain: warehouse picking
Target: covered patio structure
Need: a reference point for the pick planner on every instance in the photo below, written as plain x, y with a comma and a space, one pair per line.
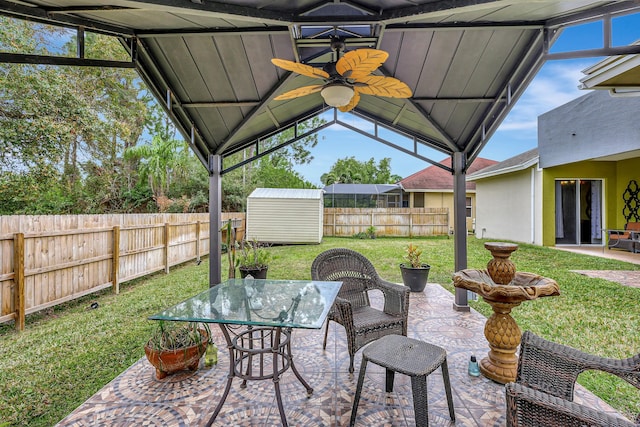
209, 62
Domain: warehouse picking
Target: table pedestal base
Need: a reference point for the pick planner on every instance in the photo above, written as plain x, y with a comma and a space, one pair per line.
259, 354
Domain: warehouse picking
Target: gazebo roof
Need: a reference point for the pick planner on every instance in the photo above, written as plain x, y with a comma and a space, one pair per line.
466, 62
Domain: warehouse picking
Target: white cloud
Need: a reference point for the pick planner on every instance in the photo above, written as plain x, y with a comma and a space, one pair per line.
523, 124
354, 121
555, 85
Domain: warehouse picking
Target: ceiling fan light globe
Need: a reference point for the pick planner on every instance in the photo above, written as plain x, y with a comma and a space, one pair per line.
337, 95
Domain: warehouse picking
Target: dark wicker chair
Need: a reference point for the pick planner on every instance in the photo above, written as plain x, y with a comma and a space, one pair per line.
352, 308
543, 392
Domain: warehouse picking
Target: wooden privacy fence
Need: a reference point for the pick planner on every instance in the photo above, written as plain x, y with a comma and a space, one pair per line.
387, 221
48, 260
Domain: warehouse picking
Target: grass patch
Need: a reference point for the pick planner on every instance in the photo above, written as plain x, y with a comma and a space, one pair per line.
67, 353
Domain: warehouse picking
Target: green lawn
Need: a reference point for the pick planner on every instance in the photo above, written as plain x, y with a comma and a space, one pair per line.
68, 353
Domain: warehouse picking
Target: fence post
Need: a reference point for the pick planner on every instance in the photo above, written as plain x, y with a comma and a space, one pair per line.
115, 264
198, 241
166, 247
18, 279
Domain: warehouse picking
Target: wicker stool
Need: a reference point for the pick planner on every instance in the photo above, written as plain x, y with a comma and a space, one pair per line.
411, 357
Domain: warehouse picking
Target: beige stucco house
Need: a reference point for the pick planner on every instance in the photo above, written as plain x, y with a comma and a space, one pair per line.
508, 198
433, 188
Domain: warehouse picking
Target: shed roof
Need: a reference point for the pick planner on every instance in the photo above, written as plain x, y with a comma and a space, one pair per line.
285, 193
437, 179
361, 188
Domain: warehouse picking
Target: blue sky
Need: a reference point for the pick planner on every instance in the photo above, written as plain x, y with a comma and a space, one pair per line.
556, 84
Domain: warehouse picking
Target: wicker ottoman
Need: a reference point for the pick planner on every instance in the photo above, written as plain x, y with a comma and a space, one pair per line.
397, 353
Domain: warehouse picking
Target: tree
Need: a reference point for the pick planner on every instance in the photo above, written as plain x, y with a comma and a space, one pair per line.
274, 174
64, 132
272, 171
351, 171
30, 192
160, 162
33, 104
123, 102
71, 121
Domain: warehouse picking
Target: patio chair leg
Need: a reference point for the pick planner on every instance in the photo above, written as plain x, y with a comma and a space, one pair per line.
356, 399
420, 400
447, 389
390, 375
326, 332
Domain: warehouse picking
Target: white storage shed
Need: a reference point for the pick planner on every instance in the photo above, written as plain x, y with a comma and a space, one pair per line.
285, 215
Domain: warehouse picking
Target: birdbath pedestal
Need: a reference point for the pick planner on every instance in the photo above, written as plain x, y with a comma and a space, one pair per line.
503, 288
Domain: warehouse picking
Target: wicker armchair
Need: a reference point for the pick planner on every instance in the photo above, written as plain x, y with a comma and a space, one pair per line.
352, 308
543, 392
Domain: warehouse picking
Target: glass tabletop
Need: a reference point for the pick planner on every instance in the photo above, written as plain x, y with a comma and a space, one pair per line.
283, 303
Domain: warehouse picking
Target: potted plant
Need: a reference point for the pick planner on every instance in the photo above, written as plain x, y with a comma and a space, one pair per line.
175, 346
253, 260
414, 272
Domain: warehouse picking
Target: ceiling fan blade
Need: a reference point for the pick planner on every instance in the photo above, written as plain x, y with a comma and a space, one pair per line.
359, 63
296, 67
383, 86
301, 91
354, 101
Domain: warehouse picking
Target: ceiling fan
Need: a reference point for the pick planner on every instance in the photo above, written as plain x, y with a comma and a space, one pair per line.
346, 78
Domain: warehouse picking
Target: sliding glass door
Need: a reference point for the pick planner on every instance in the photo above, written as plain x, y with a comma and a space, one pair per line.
578, 211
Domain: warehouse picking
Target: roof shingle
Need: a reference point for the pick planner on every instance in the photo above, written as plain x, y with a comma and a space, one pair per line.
436, 178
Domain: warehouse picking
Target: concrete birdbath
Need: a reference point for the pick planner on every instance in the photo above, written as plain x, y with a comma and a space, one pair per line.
503, 288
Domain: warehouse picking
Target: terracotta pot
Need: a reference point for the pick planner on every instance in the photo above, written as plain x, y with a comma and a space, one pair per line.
415, 278
170, 361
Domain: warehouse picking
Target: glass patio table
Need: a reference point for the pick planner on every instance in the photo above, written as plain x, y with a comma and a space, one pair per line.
256, 318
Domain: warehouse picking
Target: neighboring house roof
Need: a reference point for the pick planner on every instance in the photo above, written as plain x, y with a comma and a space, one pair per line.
516, 163
286, 193
360, 188
619, 74
436, 178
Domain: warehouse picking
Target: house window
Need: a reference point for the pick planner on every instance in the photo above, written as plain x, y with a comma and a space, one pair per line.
469, 206
418, 200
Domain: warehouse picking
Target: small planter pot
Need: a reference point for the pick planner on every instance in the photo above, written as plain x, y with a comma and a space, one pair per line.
170, 361
415, 278
256, 273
